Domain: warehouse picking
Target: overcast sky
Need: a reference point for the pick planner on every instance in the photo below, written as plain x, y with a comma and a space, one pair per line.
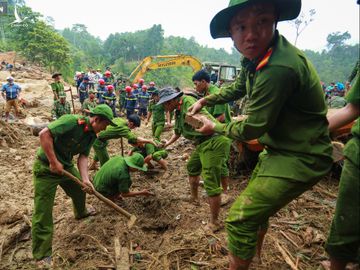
191, 18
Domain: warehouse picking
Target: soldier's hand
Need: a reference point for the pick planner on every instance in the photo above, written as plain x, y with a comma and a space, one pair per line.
56, 167
208, 126
89, 187
197, 106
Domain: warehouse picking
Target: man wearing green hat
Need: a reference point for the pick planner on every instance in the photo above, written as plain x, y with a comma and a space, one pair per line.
158, 115
61, 106
113, 179
60, 141
286, 112
121, 130
57, 86
208, 157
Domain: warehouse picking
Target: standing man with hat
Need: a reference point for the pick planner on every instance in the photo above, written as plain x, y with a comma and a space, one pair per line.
286, 112
208, 157
57, 86
11, 93
64, 138
61, 106
89, 103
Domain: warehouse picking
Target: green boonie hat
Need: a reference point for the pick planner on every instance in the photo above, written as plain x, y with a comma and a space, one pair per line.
105, 111
219, 25
62, 95
136, 161
167, 94
91, 91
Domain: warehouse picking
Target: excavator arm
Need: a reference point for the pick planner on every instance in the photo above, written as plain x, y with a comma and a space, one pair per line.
163, 61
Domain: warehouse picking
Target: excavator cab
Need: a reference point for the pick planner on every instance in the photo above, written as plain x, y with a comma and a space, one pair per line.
220, 73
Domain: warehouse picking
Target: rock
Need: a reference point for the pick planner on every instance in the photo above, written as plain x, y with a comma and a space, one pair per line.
17, 158
12, 151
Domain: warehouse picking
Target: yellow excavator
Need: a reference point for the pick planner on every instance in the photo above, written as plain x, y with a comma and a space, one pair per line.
220, 72
163, 61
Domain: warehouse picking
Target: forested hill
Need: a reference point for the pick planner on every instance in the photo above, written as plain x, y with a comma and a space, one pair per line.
74, 49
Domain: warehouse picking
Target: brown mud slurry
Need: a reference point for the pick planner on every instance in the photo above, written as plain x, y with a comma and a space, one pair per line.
169, 231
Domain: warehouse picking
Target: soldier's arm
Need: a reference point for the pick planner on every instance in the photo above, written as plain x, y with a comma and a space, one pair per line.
82, 164
270, 92
47, 144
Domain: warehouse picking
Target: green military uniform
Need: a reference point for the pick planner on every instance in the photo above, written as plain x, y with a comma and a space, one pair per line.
111, 132
344, 238
336, 102
88, 104
59, 109
58, 89
72, 135
210, 153
150, 149
113, 177
216, 111
158, 119
287, 113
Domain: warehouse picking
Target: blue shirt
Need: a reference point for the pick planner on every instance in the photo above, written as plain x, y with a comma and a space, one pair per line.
12, 90
100, 91
84, 87
143, 99
130, 101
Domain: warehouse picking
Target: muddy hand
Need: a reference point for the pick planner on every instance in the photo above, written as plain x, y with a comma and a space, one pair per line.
89, 187
208, 126
56, 167
196, 107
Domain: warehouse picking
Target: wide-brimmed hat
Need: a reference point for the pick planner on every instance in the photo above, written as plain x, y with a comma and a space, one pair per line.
62, 95
136, 161
104, 111
56, 74
167, 94
219, 25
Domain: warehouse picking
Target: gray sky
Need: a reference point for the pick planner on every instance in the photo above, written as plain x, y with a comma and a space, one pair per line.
191, 18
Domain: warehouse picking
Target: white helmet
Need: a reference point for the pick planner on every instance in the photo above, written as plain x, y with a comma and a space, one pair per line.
10, 78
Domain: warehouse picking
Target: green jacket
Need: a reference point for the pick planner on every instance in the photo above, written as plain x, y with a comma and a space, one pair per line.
60, 109
336, 102
72, 135
286, 112
218, 109
121, 130
182, 128
158, 113
58, 88
88, 104
113, 177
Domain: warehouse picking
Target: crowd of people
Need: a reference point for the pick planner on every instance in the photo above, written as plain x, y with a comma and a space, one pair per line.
286, 111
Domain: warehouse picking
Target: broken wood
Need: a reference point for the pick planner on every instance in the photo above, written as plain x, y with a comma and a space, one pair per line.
285, 255
121, 256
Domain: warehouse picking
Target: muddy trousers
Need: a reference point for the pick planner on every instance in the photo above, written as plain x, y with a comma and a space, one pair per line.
157, 130
344, 238
261, 199
45, 185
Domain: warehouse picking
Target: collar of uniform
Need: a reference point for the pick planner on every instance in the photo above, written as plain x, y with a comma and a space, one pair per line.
85, 121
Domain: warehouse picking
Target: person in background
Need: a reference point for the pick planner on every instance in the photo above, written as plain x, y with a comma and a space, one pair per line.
57, 86
151, 88
89, 103
143, 101
131, 101
61, 106
84, 89
110, 98
11, 93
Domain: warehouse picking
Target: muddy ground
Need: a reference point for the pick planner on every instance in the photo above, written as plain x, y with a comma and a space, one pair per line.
169, 232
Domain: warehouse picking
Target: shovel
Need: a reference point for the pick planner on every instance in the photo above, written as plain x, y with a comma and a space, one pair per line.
132, 218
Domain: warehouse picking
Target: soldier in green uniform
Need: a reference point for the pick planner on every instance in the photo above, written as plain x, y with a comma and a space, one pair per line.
158, 115
208, 157
113, 179
64, 138
286, 112
60, 107
150, 152
343, 244
221, 112
121, 130
89, 103
57, 86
